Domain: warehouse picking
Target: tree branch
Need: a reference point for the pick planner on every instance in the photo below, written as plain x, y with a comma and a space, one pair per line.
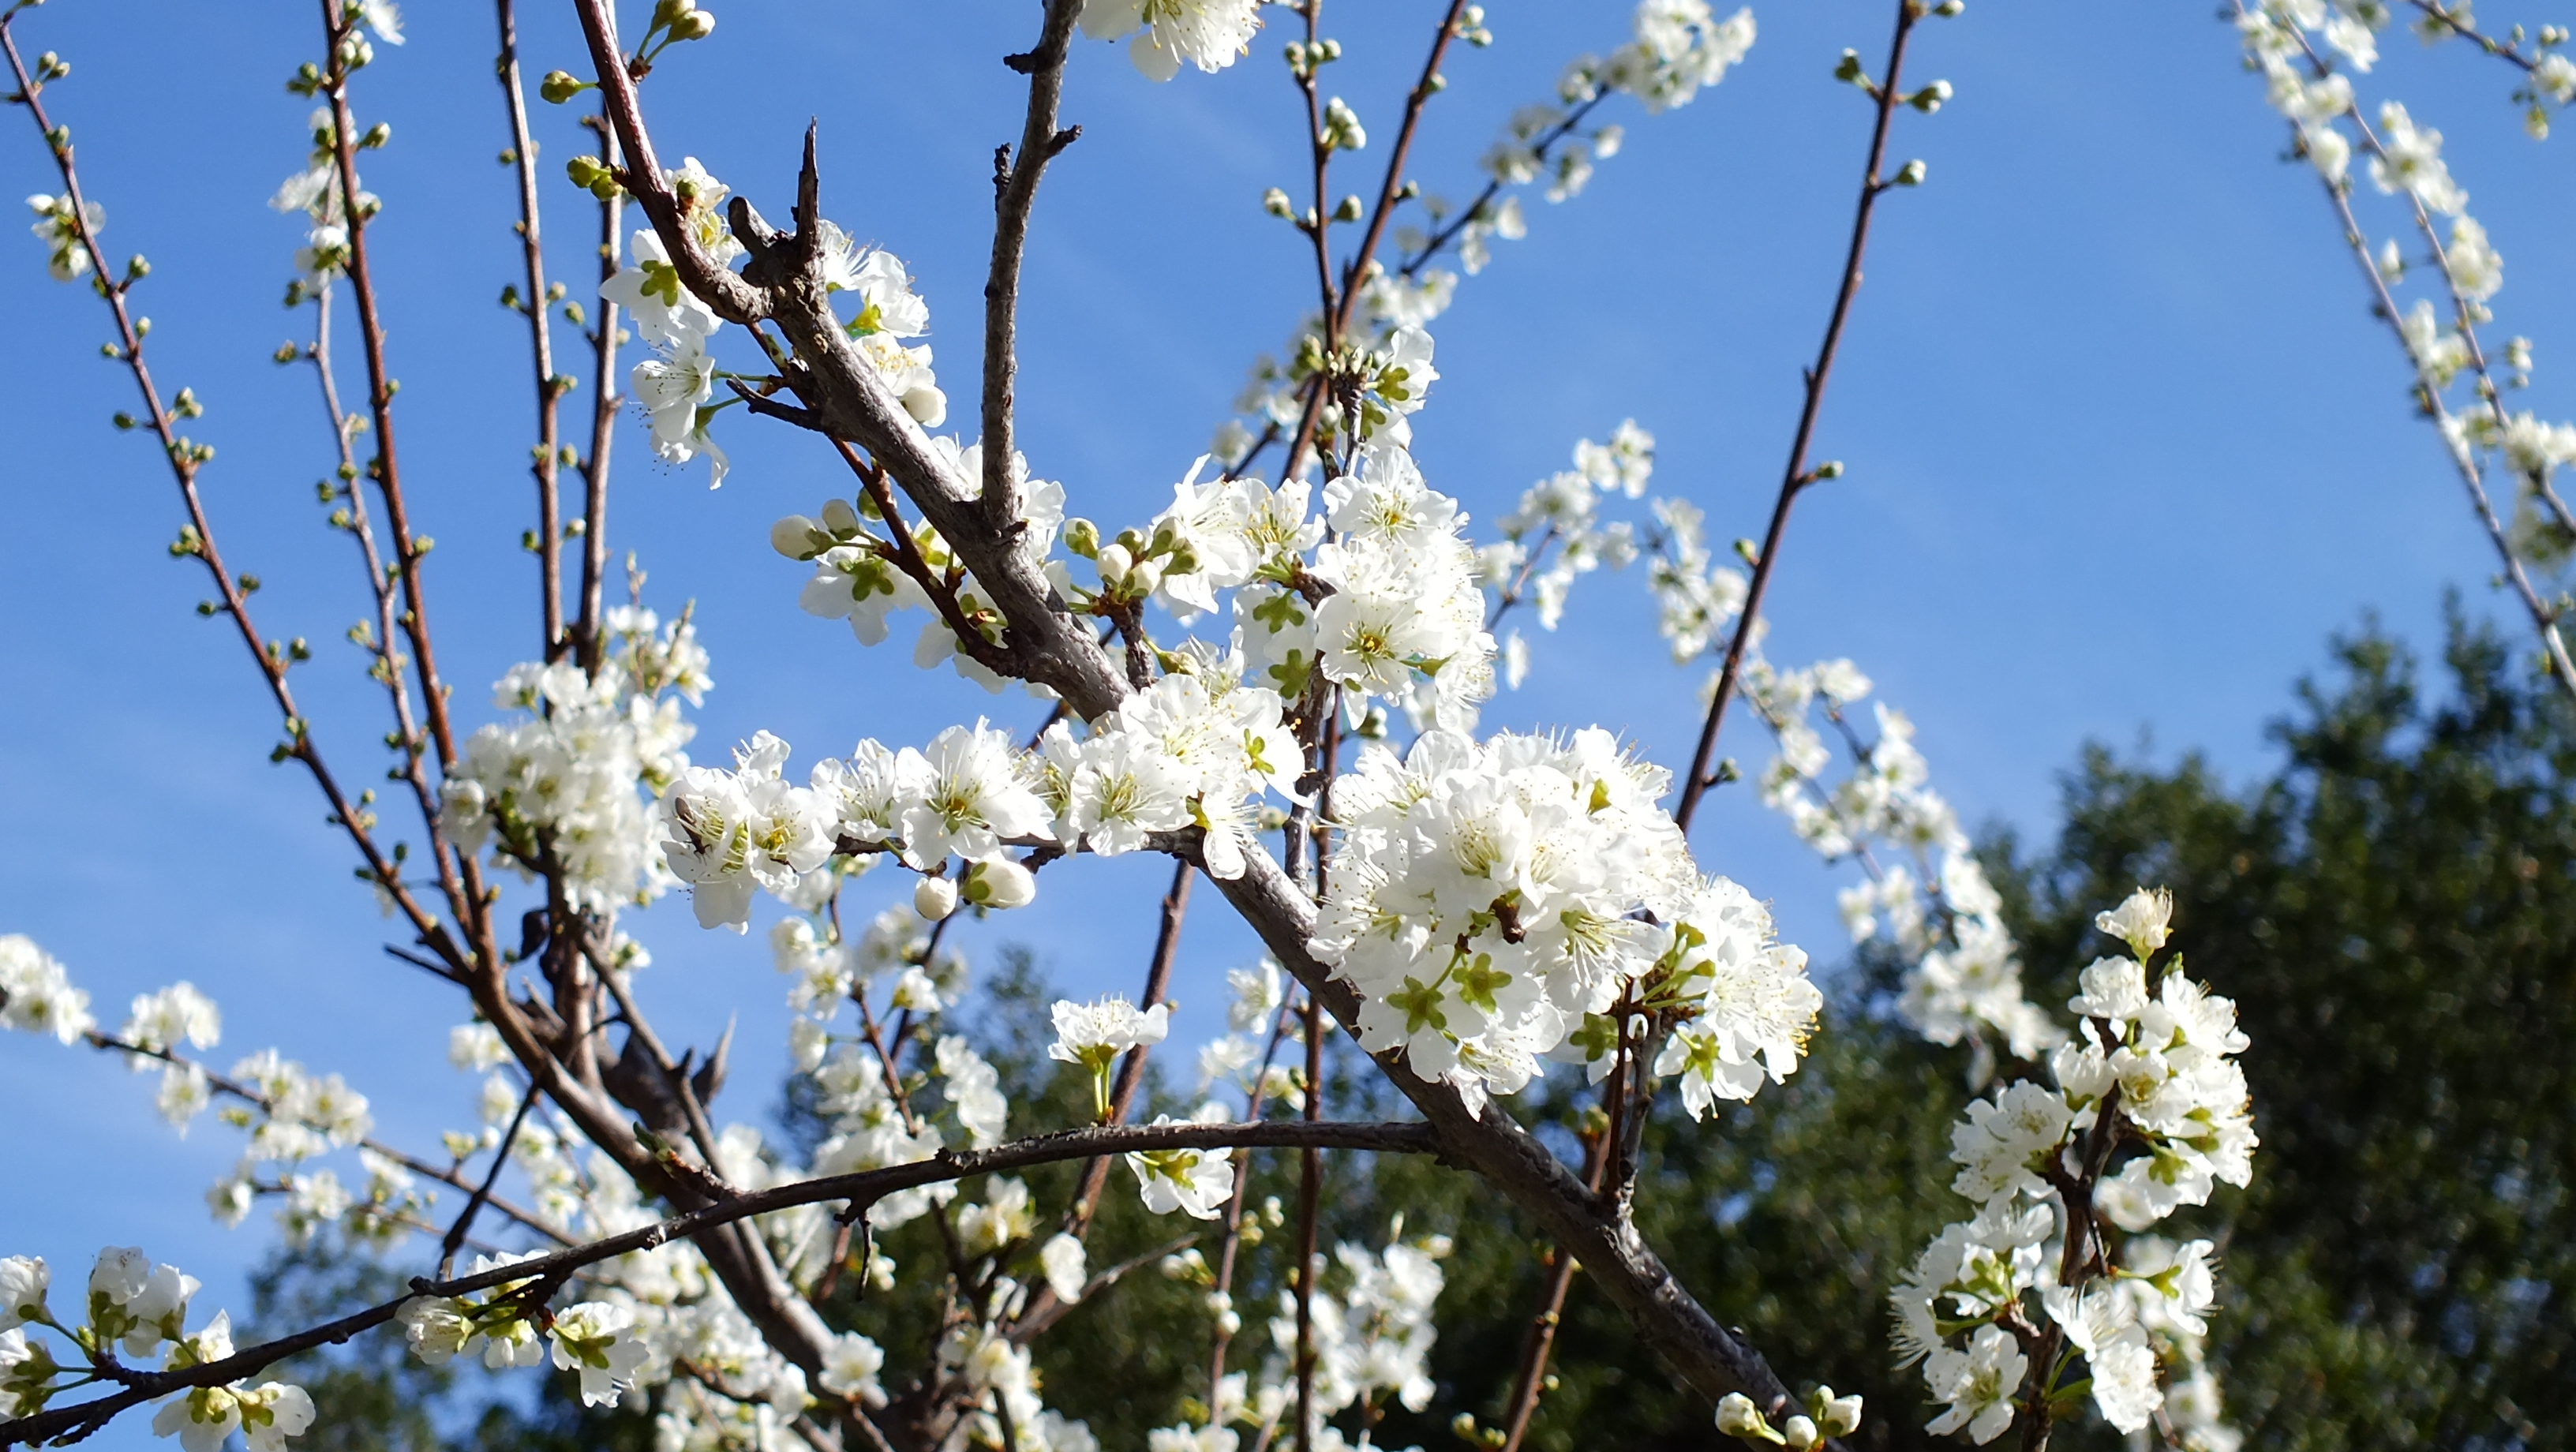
1795, 479
860, 1190
1015, 197
185, 458
539, 308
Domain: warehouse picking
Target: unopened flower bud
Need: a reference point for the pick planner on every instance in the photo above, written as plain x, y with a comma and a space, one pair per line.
1082, 537
1144, 578
1841, 1415
1799, 1433
1115, 562
561, 86
840, 518
696, 25
1911, 175
934, 898
793, 537
1276, 203
1929, 99
927, 405
999, 883
1737, 1417
1351, 209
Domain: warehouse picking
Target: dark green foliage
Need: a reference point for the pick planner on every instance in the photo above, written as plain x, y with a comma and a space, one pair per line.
2394, 911
2395, 915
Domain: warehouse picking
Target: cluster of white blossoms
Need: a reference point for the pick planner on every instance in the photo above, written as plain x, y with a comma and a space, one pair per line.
570, 786
1209, 34
860, 570
1556, 534
2405, 160
1373, 1330
288, 1117
996, 1371
2149, 1083
1503, 901
1696, 597
1238, 1056
316, 192
1925, 891
136, 1309
594, 1338
1826, 1415
37, 996
676, 387
1675, 48
1400, 616
59, 226
969, 795
292, 1117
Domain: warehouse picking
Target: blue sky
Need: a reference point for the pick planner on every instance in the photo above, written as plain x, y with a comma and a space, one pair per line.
2124, 448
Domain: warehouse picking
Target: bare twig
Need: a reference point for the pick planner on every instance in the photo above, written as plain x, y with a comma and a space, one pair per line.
2428, 396
1797, 476
185, 458
464, 1225
1015, 196
540, 310
605, 401
2459, 24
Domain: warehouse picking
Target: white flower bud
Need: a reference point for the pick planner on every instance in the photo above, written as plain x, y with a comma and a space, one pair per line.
934, 898
1842, 1415
999, 883
840, 518
927, 405
793, 537
1737, 1417
1114, 562
1142, 580
1799, 1433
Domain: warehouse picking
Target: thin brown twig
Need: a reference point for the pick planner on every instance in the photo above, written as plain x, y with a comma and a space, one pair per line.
185, 458
1531, 1382
2429, 398
539, 309
388, 667
907, 556
464, 1226
1258, 1097
1798, 476
1390, 191
337, 23
2465, 314
1310, 1185
234, 1088
1014, 199
2461, 26
1441, 237
605, 402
